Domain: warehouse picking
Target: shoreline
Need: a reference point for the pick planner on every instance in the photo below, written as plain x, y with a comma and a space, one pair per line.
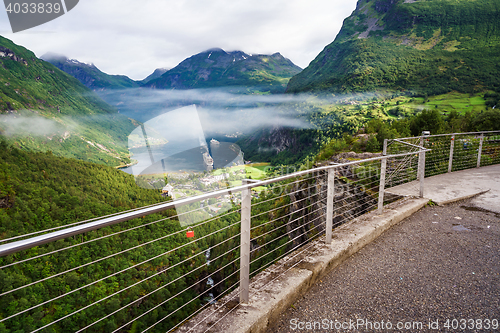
123, 166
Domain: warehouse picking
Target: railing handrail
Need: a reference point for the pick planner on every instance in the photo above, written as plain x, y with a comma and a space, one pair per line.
25, 244
407, 143
446, 134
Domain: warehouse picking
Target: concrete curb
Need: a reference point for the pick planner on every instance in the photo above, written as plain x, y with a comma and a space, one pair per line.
279, 286
445, 202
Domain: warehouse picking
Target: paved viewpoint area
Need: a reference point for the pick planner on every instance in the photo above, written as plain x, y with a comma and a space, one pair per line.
436, 271
460, 184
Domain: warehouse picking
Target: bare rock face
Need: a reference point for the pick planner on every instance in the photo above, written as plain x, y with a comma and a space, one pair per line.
307, 211
6, 202
280, 139
8, 53
348, 157
351, 156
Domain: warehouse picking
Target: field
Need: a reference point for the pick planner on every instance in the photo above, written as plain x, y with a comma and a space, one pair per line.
403, 106
458, 102
252, 171
256, 170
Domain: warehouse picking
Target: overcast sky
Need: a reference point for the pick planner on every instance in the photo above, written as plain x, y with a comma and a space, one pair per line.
134, 37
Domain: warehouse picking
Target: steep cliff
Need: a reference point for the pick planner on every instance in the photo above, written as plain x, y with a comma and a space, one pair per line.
424, 46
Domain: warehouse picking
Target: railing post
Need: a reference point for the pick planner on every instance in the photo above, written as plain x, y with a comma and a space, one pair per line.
452, 145
418, 166
382, 179
480, 150
421, 169
329, 205
246, 202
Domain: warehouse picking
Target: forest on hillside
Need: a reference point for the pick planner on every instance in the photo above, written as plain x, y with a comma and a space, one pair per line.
427, 120
144, 268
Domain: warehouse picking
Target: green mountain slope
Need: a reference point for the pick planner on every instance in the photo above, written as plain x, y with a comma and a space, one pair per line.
146, 256
27, 82
217, 68
39, 191
423, 46
89, 74
42, 108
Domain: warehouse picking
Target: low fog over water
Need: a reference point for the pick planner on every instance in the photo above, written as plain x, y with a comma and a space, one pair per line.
224, 111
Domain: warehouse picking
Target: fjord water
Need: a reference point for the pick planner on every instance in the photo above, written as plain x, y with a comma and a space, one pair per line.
159, 159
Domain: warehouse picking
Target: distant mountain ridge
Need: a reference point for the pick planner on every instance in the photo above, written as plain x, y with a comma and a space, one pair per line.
424, 46
208, 69
156, 74
89, 74
218, 68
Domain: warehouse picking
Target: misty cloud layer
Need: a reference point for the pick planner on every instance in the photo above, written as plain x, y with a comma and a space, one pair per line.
13, 125
222, 110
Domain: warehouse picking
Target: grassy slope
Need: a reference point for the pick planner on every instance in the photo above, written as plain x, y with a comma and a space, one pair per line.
80, 120
33, 83
43, 191
429, 47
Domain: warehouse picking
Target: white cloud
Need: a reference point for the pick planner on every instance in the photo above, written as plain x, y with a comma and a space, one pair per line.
134, 37
34, 125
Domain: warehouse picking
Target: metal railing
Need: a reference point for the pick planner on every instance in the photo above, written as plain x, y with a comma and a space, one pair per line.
141, 271
451, 152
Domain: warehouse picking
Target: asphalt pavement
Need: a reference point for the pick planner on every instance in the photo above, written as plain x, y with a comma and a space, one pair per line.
436, 271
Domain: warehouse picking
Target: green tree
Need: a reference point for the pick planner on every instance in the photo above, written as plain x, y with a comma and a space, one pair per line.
427, 120
372, 145
487, 120
382, 130
402, 127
